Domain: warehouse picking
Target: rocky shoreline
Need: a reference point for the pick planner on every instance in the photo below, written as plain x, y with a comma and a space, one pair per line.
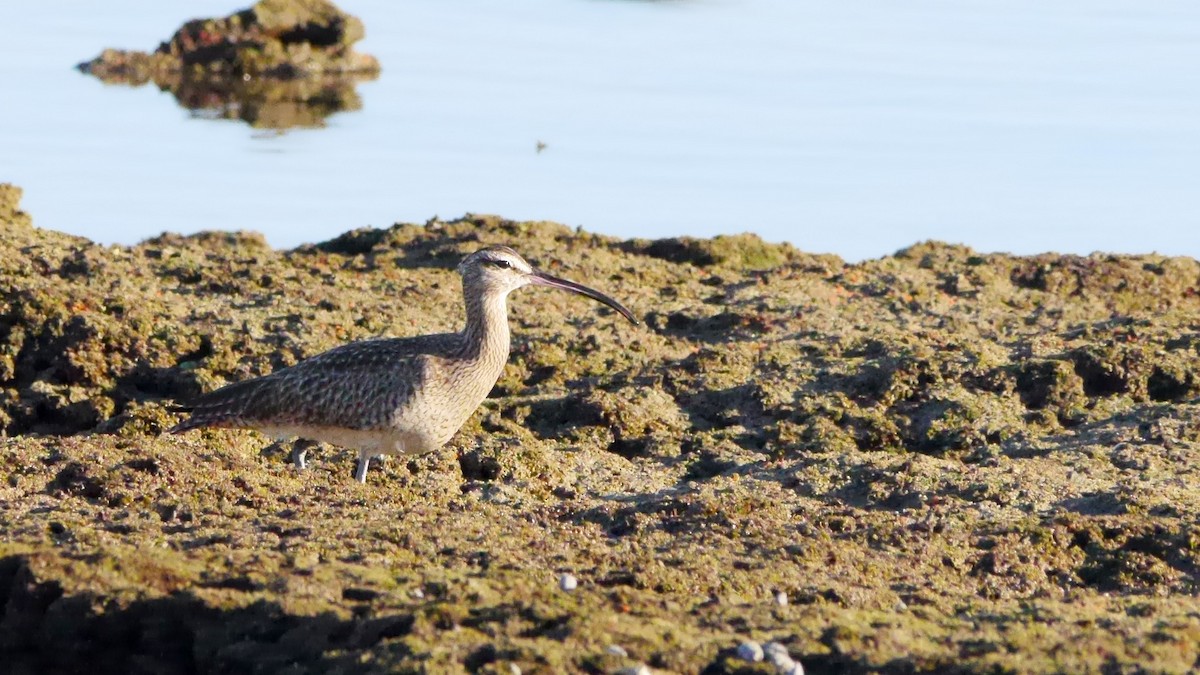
941, 461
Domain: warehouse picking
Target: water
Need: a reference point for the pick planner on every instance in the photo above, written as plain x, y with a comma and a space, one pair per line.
852, 128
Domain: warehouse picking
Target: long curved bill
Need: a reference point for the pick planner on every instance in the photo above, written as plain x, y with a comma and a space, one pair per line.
542, 279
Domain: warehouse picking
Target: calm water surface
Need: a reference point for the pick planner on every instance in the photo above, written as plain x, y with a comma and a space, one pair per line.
853, 128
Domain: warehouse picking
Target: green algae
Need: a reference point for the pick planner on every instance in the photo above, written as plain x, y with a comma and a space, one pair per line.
947, 461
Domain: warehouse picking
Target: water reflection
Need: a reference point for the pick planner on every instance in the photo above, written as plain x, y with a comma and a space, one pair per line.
277, 65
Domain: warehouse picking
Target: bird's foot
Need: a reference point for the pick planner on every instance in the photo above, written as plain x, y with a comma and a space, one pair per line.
360, 472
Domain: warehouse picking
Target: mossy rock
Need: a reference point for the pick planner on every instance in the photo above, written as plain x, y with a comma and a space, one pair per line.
739, 251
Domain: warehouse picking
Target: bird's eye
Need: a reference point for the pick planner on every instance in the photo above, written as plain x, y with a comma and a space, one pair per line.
502, 264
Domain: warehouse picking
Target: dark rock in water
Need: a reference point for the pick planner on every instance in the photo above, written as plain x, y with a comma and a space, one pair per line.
278, 64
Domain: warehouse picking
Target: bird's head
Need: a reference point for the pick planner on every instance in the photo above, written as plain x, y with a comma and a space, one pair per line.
501, 270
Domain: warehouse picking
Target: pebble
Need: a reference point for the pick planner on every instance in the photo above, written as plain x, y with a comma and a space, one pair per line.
514, 669
567, 581
616, 650
778, 656
750, 651
781, 598
417, 593
776, 653
639, 669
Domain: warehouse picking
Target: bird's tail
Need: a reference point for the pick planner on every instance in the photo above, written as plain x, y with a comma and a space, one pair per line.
225, 407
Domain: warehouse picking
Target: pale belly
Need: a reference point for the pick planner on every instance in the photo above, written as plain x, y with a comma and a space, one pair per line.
425, 424
368, 442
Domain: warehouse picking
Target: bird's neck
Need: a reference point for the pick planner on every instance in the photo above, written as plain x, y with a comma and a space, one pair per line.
486, 333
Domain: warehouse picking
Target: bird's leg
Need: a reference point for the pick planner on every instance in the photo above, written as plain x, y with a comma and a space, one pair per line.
300, 451
360, 472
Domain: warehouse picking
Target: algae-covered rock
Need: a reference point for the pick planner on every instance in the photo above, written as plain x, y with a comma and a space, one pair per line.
10, 213
278, 64
744, 251
944, 460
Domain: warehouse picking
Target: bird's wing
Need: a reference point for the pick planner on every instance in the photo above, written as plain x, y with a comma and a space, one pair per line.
355, 386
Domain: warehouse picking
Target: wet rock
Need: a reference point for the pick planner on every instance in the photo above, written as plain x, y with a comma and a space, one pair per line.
278, 64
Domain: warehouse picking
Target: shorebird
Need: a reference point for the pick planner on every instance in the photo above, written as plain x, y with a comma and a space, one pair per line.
390, 396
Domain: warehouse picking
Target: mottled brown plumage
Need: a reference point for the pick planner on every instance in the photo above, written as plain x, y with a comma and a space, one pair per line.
392, 395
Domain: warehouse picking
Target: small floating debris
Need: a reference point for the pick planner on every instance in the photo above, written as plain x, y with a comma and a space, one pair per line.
567, 582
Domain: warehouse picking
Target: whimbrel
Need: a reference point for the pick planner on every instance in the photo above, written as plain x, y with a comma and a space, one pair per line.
390, 396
